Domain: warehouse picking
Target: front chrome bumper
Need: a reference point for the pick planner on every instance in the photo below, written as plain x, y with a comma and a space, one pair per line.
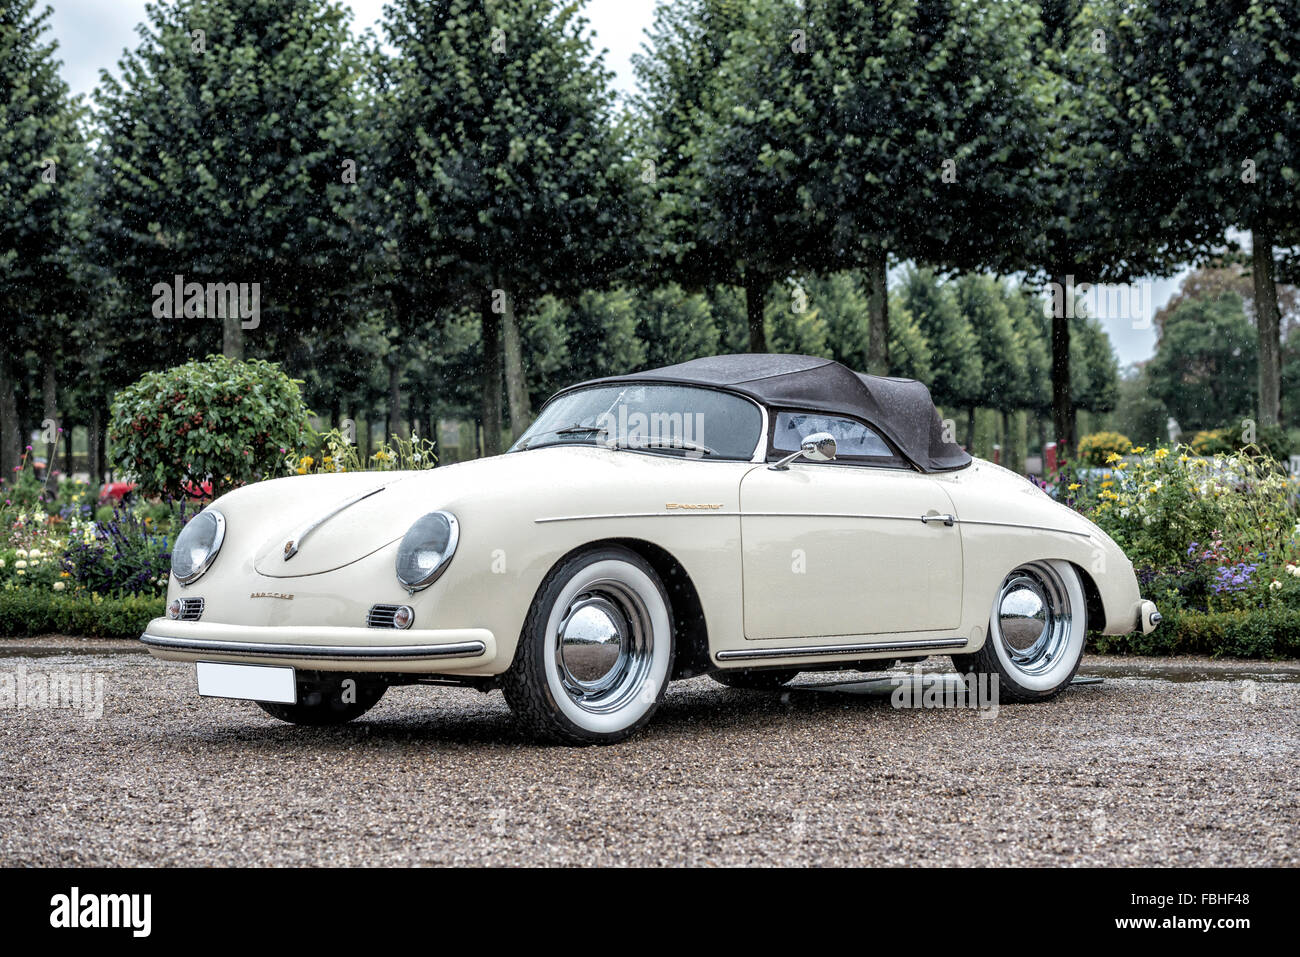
324, 648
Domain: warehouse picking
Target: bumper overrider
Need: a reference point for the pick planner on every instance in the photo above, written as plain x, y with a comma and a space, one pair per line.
324, 648
1147, 616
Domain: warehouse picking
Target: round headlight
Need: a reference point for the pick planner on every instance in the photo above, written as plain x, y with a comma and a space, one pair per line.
197, 545
426, 549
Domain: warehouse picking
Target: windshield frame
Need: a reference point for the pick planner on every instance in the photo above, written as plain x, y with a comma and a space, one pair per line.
758, 456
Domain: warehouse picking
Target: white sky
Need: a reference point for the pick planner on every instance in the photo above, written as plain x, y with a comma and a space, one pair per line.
92, 34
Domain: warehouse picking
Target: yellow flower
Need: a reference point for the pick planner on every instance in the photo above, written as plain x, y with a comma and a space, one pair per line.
1107, 484
1074, 486
306, 462
1121, 466
1113, 457
1139, 450
1159, 454
302, 471
1183, 457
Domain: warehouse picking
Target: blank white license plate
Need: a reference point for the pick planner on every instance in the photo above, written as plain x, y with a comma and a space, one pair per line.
250, 682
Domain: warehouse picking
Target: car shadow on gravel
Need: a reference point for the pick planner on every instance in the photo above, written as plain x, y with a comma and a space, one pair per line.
690, 709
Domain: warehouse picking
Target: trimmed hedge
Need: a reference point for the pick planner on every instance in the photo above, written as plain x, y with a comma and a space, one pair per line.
29, 611
1257, 633
1263, 633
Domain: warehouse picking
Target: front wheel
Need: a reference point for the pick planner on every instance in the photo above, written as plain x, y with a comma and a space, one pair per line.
1036, 632
595, 652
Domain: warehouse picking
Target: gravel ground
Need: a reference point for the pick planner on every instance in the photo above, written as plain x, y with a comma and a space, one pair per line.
1185, 763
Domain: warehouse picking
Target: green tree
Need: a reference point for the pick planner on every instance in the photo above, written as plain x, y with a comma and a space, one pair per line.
513, 171
927, 138
681, 120
957, 368
1094, 370
1089, 190
225, 153
1002, 356
1206, 351
1208, 95
674, 326
42, 211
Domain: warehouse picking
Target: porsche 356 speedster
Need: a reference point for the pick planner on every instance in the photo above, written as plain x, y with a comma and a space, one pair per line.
749, 517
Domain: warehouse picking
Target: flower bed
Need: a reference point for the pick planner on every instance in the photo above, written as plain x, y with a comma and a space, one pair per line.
66, 573
1214, 543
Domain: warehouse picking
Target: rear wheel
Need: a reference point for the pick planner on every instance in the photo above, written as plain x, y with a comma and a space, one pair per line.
325, 698
757, 680
595, 652
1036, 632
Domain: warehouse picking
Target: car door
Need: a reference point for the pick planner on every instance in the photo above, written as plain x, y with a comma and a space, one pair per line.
840, 548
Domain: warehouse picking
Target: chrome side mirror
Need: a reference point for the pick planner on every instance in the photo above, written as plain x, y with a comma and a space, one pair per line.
818, 447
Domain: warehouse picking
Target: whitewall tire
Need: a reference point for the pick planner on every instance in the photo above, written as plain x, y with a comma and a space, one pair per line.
595, 652
1037, 628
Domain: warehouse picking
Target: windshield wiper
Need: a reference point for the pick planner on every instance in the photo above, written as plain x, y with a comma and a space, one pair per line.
683, 445
574, 429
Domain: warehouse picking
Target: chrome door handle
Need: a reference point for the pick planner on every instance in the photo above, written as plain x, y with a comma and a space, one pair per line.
946, 519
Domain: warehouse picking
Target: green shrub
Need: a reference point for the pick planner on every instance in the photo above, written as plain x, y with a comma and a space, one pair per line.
1270, 440
1272, 632
1096, 448
29, 611
220, 419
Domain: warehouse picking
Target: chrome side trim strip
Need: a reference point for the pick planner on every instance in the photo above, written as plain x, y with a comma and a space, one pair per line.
673, 514
1030, 528
464, 649
839, 515
859, 649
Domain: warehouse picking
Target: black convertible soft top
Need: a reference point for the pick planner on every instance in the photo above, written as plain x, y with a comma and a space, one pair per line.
901, 409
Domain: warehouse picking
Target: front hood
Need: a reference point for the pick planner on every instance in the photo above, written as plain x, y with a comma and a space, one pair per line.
318, 523
333, 520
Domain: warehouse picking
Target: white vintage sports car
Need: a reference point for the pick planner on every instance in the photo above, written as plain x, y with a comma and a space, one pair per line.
745, 516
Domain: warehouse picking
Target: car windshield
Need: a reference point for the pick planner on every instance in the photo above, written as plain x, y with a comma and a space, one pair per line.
670, 419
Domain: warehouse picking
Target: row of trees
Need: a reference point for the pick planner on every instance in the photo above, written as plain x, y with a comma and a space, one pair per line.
423, 206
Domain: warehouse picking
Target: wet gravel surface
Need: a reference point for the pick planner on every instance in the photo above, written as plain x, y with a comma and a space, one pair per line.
1137, 770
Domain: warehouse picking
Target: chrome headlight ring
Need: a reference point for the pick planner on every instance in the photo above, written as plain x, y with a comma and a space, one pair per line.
426, 550
194, 528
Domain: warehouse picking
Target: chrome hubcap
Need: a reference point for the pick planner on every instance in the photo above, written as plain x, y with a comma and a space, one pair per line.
602, 647
1032, 618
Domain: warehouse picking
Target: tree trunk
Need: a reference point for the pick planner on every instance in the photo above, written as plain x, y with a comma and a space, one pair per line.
1008, 445
1062, 401
491, 396
394, 423
755, 307
68, 463
970, 430
1268, 320
877, 275
50, 393
232, 337
94, 445
50, 414
10, 439
521, 413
